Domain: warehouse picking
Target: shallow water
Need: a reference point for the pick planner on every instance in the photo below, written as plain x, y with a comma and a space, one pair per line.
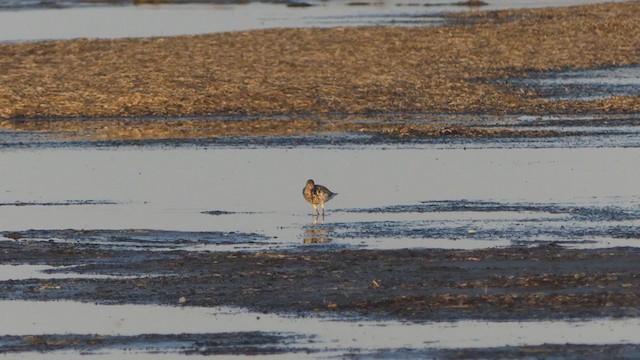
586, 85
25, 271
388, 198
448, 193
445, 193
327, 335
229, 198
76, 19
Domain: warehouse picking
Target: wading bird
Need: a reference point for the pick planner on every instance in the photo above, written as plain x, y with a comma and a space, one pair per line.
317, 195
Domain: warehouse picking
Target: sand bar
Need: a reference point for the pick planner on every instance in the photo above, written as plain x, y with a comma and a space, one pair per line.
458, 68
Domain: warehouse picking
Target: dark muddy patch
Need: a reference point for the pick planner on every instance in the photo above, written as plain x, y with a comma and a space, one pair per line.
59, 203
237, 343
405, 130
545, 282
218, 212
595, 122
541, 352
579, 212
546, 351
66, 4
137, 238
224, 212
475, 230
244, 142
523, 224
584, 85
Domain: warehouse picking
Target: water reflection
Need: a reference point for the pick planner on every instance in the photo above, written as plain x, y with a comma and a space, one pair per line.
316, 233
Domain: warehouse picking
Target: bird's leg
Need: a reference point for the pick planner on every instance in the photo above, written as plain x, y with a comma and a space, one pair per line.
322, 206
315, 208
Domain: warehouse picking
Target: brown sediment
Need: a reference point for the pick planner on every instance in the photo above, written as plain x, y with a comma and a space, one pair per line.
457, 68
225, 343
187, 129
546, 282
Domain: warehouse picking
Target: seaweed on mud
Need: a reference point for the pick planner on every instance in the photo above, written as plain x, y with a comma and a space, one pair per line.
218, 212
440, 69
530, 352
331, 130
413, 284
59, 203
546, 351
224, 212
138, 238
581, 212
232, 343
564, 224
517, 235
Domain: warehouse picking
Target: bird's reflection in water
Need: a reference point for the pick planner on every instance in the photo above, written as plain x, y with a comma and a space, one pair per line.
316, 233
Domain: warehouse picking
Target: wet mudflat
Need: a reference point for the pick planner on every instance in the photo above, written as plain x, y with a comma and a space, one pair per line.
332, 302
313, 337
453, 69
546, 282
490, 234
458, 232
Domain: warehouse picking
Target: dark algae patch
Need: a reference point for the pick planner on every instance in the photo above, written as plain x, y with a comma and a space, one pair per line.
518, 223
318, 130
235, 343
136, 238
544, 282
539, 352
581, 212
59, 203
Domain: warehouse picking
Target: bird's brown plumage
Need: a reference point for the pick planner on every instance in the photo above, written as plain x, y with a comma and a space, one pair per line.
317, 195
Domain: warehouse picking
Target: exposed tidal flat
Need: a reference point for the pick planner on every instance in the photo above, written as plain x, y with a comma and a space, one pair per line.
463, 67
151, 205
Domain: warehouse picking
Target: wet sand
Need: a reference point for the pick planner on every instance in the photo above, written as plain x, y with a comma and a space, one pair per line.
546, 259
459, 68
